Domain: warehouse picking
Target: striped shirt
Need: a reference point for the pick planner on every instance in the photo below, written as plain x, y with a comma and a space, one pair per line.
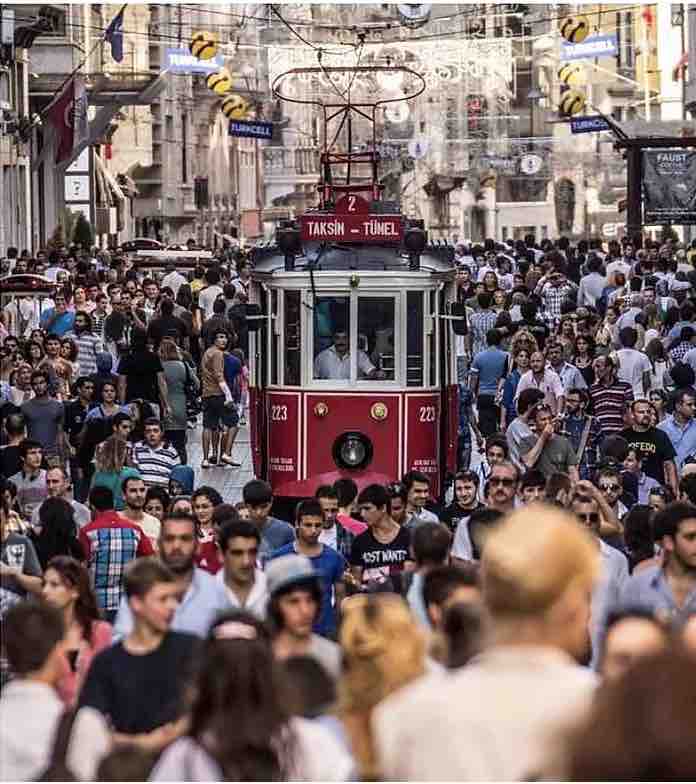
155, 465
88, 346
609, 404
110, 543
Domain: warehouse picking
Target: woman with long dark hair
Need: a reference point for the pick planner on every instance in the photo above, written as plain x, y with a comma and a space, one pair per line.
584, 351
240, 729
58, 532
204, 500
67, 587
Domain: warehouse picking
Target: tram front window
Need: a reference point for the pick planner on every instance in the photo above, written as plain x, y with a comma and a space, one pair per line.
376, 351
332, 338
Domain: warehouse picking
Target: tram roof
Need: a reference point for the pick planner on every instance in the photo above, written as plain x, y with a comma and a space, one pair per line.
346, 257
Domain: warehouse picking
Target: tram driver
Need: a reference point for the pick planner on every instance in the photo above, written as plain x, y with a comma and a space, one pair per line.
334, 362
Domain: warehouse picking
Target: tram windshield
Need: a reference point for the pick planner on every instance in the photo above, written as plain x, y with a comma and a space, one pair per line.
332, 338
376, 317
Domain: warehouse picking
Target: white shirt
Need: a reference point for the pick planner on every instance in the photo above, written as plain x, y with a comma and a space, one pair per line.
328, 364
632, 365
329, 537
258, 597
550, 384
206, 299
29, 714
173, 280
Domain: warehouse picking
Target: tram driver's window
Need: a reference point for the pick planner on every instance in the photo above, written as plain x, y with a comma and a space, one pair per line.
332, 338
376, 350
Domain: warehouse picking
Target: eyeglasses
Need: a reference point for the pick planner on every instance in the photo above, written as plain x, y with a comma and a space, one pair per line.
610, 488
589, 517
499, 480
659, 491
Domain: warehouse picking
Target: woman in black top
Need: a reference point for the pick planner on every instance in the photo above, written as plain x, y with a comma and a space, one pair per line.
58, 532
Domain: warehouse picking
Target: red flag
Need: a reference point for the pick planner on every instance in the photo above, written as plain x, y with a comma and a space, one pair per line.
62, 117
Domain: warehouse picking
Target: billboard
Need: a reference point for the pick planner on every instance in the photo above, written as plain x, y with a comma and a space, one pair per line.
180, 60
592, 46
588, 124
669, 187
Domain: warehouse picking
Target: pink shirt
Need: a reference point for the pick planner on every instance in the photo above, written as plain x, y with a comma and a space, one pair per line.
70, 684
351, 524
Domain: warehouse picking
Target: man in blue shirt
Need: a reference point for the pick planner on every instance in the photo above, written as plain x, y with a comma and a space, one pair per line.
327, 562
58, 320
680, 427
669, 589
488, 371
203, 597
258, 496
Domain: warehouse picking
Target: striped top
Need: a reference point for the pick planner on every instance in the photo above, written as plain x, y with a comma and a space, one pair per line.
155, 465
609, 404
88, 346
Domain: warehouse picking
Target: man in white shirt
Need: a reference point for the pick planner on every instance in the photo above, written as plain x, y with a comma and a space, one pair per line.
500, 717
173, 279
57, 486
334, 362
633, 366
545, 380
593, 284
207, 297
245, 583
30, 708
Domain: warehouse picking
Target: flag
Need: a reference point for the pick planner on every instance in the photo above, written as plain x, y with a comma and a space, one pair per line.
61, 118
68, 118
114, 35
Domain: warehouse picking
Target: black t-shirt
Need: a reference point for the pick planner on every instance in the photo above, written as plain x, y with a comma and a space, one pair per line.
655, 446
381, 562
454, 513
164, 326
140, 370
75, 414
140, 693
10, 464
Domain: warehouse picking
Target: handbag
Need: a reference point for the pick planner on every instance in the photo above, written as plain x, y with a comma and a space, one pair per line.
193, 405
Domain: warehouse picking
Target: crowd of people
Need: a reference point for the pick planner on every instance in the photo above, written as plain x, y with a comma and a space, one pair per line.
539, 621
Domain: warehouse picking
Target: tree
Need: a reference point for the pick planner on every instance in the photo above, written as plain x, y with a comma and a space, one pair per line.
57, 239
83, 234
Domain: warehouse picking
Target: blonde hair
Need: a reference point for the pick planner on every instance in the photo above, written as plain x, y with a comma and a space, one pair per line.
111, 455
168, 350
532, 559
383, 650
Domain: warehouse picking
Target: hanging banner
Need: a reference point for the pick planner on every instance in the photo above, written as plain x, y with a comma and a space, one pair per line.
592, 46
180, 60
669, 190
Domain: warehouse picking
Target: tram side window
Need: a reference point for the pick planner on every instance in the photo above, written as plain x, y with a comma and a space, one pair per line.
274, 338
414, 339
332, 338
376, 347
292, 338
431, 342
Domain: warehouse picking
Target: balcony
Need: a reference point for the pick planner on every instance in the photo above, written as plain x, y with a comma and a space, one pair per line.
291, 164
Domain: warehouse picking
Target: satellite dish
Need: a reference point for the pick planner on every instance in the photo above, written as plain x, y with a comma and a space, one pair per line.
414, 14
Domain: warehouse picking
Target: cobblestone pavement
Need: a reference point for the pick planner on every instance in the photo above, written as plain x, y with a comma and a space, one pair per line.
227, 481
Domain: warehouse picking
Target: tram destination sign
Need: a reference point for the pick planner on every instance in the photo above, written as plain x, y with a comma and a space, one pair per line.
352, 228
351, 222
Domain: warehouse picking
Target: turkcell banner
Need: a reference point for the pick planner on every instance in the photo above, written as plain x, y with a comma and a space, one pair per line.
180, 60
592, 46
669, 187
251, 129
588, 124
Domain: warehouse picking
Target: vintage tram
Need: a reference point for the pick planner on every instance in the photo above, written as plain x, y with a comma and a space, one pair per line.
351, 339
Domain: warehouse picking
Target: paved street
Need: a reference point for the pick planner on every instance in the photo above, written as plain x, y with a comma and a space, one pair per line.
227, 481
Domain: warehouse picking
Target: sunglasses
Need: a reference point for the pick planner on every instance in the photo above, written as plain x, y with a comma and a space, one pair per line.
498, 480
589, 517
610, 488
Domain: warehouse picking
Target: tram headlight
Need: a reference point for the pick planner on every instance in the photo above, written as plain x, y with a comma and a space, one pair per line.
352, 450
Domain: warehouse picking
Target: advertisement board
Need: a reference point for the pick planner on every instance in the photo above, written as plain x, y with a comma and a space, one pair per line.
669, 187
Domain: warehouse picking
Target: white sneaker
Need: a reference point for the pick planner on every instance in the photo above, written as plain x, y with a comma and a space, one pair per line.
205, 464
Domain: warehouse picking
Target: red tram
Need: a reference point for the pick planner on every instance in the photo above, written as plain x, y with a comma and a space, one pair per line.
351, 339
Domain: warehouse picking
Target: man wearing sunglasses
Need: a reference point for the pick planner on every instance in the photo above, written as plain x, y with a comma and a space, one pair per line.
613, 573
501, 487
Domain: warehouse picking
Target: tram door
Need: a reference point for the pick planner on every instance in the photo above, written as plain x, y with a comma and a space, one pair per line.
449, 404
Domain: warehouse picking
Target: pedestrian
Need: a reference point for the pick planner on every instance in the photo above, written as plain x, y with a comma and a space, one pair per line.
20, 570
66, 586
275, 533
182, 381
431, 546
134, 495
30, 482
245, 583
110, 543
204, 500
610, 398
201, 598
44, 417
140, 682
56, 533
89, 344
216, 395
112, 469
154, 457
417, 486
238, 677
31, 710
295, 598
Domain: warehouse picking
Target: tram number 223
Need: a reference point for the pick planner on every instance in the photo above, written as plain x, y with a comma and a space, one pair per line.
279, 413
426, 414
